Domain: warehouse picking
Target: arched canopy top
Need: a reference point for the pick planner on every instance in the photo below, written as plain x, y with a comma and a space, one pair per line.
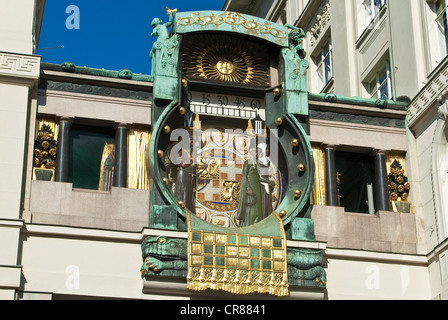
227, 21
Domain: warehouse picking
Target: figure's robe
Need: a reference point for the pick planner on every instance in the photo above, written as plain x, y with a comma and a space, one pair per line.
250, 201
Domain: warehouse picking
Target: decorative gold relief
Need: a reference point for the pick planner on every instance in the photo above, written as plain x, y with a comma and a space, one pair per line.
233, 19
172, 11
399, 188
225, 59
230, 191
212, 169
225, 67
238, 263
45, 153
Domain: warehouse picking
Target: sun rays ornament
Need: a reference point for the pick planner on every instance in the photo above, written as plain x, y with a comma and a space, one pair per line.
225, 59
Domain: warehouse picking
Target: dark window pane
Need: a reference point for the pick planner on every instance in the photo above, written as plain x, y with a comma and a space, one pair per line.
86, 149
355, 176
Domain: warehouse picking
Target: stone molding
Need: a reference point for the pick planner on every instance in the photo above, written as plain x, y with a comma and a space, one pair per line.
322, 20
96, 90
16, 65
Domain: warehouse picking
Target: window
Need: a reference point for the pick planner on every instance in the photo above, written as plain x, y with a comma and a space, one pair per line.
381, 85
442, 28
355, 182
86, 150
371, 9
324, 66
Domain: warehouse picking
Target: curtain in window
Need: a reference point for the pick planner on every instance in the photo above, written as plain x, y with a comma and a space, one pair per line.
318, 192
138, 163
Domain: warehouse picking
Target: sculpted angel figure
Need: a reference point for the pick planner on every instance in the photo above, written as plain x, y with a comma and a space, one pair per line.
163, 50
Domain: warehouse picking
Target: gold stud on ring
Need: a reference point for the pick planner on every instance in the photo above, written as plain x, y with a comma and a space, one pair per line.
182, 110
295, 142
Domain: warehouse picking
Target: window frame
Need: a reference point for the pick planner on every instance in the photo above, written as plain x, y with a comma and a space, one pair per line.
324, 76
381, 80
375, 7
441, 23
366, 189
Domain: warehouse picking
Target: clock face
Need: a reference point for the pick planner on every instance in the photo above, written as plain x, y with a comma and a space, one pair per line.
236, 132
220, 172
225, 59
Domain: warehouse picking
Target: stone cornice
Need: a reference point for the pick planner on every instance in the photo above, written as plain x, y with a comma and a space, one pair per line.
389, 114
434, 92
106, 91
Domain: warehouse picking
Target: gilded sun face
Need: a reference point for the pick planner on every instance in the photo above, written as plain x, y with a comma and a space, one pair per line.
225, 59
225, 67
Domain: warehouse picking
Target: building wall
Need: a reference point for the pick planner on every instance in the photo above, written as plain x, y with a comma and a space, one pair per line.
100, 263
19, 72
428, 148
395, 35
56, 203
75, 243
368, 275
17, 21
405, 34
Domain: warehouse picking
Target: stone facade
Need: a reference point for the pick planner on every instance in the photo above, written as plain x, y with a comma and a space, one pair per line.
75, 243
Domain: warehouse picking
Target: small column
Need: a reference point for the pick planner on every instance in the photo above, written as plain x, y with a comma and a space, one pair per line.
121, 156
62, 166
381, 184
331, 186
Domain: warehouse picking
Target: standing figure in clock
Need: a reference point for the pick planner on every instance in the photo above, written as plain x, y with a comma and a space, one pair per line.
250, 203
267, 181
185, 187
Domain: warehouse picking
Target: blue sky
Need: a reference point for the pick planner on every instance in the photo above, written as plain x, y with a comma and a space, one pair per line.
113, 35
